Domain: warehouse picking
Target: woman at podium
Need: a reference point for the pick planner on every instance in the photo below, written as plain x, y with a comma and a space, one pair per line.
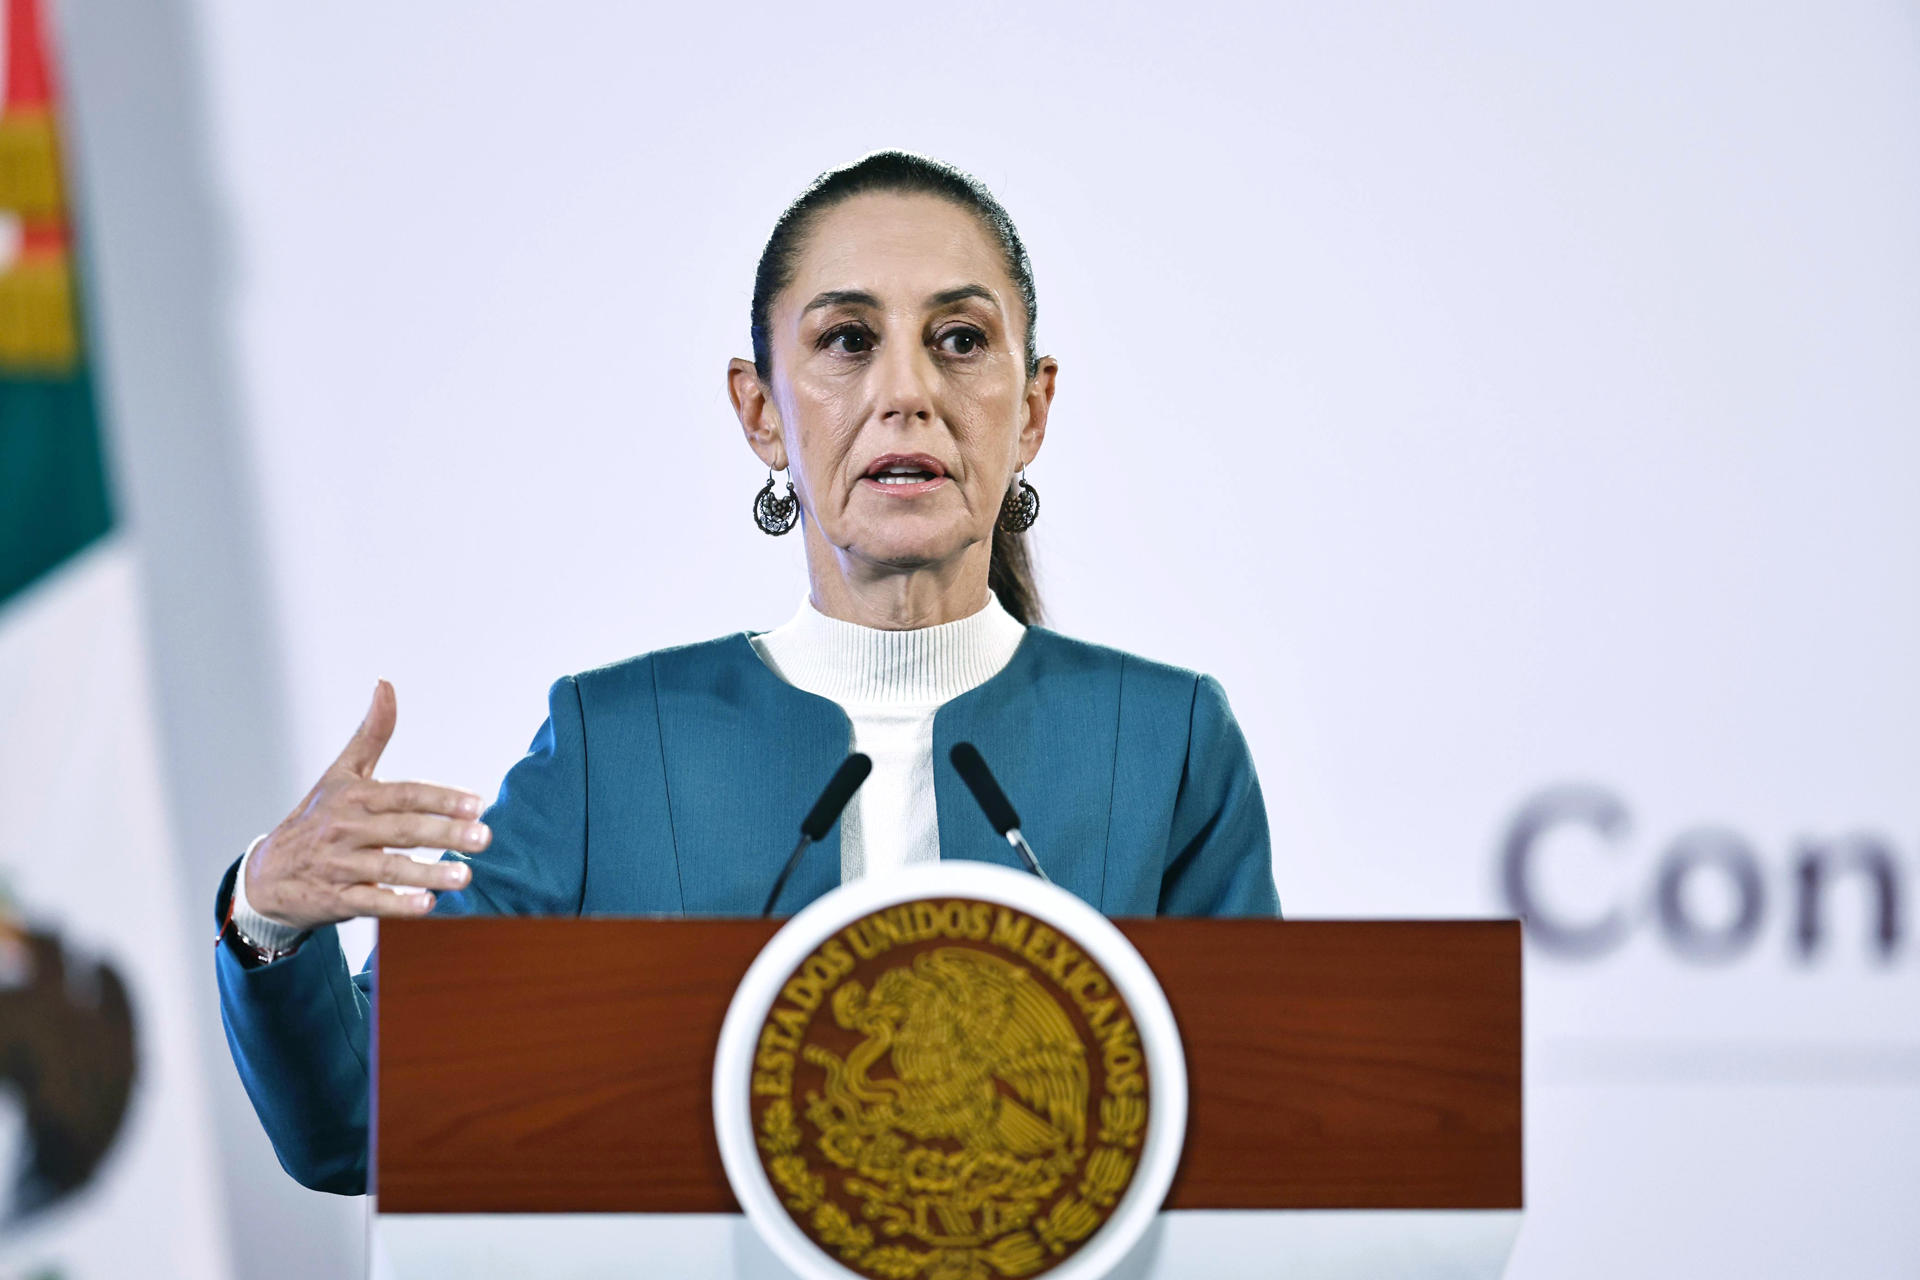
895, 380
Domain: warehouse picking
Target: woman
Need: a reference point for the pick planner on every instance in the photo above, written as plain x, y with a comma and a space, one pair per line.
895, 379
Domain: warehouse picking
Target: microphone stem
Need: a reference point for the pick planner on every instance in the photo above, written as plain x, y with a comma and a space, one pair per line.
793, 860
1025, 850
1014, 838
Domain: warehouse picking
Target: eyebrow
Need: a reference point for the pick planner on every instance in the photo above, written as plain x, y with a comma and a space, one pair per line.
965, 291
861, 298
841, 298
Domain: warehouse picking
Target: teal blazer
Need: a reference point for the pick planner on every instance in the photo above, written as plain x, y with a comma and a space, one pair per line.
674, 783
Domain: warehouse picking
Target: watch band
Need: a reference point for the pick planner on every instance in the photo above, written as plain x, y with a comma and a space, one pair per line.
248, 951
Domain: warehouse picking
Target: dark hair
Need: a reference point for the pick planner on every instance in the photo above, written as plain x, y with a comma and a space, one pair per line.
1010, 572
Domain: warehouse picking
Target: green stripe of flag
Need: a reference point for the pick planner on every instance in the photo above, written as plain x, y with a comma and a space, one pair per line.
53, 483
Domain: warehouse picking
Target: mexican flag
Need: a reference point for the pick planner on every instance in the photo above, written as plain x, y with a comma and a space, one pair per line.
106, 1160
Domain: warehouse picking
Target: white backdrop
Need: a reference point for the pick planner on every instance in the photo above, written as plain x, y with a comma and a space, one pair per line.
1494, 397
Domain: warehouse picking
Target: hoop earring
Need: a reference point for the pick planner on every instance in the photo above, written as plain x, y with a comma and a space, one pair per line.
1021, 507
775, 515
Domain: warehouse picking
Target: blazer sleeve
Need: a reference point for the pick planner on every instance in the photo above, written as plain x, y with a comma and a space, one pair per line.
1220, 858
298, 1027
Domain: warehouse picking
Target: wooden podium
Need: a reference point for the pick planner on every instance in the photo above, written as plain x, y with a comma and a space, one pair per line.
564, 1067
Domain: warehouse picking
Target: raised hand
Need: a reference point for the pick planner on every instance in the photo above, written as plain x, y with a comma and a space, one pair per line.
328, 860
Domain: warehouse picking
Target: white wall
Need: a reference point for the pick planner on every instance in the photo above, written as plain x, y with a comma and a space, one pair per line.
1494, 396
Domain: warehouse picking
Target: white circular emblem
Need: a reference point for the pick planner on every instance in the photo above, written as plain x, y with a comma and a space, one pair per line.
954, 1069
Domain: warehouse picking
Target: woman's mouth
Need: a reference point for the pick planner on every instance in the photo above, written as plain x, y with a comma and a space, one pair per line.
904, 476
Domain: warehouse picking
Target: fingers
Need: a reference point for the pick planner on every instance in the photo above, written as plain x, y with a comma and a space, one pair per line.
399, 869
371, 900
363, 750
419, 797
420, 831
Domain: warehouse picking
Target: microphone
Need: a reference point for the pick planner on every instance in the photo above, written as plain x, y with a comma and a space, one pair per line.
825, 812
993, 802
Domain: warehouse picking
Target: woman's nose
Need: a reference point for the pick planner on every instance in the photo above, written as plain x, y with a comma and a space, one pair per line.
903, 392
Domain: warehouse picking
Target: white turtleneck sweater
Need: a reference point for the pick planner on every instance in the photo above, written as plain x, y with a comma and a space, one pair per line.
889, 683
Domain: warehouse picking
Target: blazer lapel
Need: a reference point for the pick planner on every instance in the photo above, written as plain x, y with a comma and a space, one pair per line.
1048, 727
745, 755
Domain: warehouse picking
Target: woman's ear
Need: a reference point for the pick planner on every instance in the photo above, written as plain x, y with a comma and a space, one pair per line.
1039, 402
758, 418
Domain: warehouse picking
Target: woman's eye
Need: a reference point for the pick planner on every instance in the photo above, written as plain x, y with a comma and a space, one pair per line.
962, 342
848, 341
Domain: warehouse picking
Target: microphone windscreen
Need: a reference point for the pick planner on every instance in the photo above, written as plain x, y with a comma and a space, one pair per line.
979, 779
840, 788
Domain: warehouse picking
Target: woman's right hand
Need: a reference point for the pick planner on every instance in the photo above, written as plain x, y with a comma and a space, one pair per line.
328, 860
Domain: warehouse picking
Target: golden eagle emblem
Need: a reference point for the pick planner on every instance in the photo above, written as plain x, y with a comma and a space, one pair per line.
950, 1112
956, 1024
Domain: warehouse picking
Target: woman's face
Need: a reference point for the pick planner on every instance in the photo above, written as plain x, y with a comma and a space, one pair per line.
899, 394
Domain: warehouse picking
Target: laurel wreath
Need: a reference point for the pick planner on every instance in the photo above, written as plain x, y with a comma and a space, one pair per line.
1072, 1218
